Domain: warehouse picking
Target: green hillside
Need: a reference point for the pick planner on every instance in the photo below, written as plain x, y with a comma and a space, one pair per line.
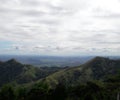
96, 69
98, 79
13, 71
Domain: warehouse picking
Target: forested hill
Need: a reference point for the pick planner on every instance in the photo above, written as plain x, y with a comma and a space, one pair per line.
98, 79
13, 71
97, 68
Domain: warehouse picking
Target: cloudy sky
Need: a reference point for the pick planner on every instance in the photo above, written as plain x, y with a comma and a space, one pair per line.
60, 27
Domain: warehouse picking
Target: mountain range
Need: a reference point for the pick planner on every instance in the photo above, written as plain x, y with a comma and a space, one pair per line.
97, 68
13, 71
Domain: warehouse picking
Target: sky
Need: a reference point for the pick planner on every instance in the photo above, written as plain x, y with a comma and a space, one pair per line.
60, 27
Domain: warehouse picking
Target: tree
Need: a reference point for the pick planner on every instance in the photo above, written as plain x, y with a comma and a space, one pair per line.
59, 93
7, 93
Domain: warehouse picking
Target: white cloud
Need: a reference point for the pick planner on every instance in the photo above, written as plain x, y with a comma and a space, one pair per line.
63, 27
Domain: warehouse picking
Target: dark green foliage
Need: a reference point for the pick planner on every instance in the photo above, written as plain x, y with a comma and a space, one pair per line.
98, 79
96, 69
38, 92
59, 93
13, 71
9, 71
7, 93
21, 93
94, 90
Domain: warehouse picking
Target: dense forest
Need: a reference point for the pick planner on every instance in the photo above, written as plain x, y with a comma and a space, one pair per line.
98, 79
94, 90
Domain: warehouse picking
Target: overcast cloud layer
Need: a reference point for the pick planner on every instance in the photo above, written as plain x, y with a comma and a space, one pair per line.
60, 27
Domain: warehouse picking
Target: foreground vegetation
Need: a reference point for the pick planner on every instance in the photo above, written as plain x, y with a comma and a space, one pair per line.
94, 90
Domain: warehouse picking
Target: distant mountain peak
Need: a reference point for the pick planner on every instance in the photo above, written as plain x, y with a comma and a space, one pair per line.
98, 58
12, 61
